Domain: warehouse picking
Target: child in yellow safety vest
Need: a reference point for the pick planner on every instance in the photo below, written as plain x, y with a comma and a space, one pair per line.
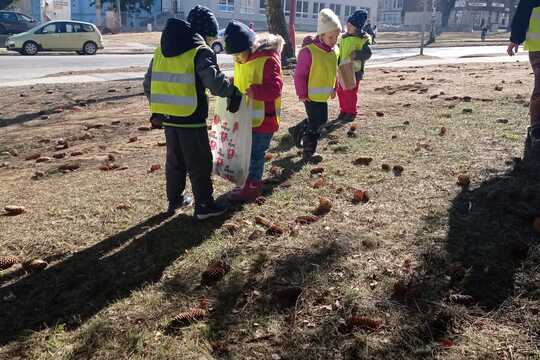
315, 82
257, 74
353, 47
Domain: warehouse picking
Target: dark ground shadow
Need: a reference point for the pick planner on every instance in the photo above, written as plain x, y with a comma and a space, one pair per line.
78, 287
280, 283
286, 143
21, 119
490, 255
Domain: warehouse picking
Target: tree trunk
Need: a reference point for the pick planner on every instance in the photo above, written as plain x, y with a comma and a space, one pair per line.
446, 7
277, 25
98, 13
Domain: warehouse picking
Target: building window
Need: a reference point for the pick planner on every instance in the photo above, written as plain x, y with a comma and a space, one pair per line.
349, 10
247, 6
336, 8
302, 9
317, 7
226, 5
287, 7
262, 7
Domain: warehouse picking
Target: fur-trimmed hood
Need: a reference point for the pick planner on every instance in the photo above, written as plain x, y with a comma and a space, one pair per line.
265, 42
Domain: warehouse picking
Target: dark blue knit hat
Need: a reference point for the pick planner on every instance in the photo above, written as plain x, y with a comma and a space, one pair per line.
358, 19
203, 21
238, 37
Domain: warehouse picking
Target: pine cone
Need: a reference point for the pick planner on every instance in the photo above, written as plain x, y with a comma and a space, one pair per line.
34, 265
188, 317
363, 322
215, 271
7, 261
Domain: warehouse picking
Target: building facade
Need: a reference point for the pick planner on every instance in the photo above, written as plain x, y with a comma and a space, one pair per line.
475, 14
254, 11
390, 13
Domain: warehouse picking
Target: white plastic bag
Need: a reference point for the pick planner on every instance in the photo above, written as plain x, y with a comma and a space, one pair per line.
230, 142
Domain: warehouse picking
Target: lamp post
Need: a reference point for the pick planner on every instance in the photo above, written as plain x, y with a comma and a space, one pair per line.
423, 28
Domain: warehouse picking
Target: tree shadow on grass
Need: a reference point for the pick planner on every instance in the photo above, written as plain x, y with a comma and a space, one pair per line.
488, 258
21, 119
272, 287
286, 142
78, 287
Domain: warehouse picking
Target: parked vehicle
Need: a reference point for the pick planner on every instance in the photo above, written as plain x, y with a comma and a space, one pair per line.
219, 44
12, 22
82, 37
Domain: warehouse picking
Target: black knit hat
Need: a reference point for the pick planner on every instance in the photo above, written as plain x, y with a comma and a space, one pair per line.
203, 21
358, 19
238, 37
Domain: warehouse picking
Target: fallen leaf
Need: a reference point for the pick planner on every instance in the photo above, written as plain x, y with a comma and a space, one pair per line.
132, 139
231, 227
461, 299
365, 161
318, 184
154, 168
317, 170
69, 166
34, 265
325, 205
360, 196
13, 210
398, 169
32, 156
43, 159
307, 219
443, 131
463, 180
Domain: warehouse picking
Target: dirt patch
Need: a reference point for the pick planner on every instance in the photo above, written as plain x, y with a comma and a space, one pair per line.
422, 268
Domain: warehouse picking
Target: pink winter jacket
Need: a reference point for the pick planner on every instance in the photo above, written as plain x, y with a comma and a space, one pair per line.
303, 67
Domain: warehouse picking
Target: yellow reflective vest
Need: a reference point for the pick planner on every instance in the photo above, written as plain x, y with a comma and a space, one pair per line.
173, 91
532, 42
322, 75
347, 46
252, 73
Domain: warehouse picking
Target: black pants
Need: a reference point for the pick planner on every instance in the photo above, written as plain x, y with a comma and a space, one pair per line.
188, 152
317, 116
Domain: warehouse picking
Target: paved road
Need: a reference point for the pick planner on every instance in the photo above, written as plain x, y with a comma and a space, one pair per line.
18, 68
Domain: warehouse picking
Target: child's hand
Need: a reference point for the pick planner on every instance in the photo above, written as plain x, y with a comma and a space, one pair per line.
250, 93
333, 94
303, 99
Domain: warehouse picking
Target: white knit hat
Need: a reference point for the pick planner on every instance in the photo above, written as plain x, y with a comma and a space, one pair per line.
328, 21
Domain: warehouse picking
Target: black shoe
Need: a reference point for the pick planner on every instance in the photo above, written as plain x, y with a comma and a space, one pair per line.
210, 209
297, 132
313, 158
348, 118
184, 201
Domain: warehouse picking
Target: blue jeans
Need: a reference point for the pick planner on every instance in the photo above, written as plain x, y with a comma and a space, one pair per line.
259, 144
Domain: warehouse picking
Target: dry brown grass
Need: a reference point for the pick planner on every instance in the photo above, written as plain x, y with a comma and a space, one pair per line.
117, 277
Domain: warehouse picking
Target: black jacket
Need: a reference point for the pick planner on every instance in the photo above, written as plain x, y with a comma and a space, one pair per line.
520, 23
178, 38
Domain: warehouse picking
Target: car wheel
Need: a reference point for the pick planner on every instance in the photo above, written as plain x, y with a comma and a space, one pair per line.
90, 48
217, 47
30, 48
